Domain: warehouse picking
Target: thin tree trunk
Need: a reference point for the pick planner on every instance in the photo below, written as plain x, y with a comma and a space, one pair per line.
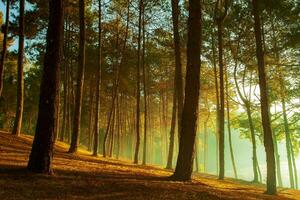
91, 113
253, 141
247, 107
108, 127
217, 98
98, 82
65, 79
116, 82
40, 159
137, 146
289, 147
184, 166
294, 166
57, 122
4, 48
268, 140
229, 128
172, 131
178, 67
80, 80
221, 111
112, 134
145, 92
20, 88
205, 147
118, 127
277, 158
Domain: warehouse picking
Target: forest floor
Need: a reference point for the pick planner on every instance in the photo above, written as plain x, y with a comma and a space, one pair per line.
82, 176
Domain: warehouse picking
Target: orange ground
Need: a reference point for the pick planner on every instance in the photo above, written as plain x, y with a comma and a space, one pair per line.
85, 177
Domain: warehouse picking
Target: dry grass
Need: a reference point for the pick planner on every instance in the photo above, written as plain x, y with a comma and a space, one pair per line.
85, 177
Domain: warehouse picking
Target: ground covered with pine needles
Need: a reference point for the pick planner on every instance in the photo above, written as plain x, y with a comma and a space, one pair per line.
82, 176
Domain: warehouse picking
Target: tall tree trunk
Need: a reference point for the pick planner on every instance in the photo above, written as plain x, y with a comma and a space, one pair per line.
178, 67
228, 126
268, 139
184, 166
98, 82
217, 98
20, 88
137, 145
80, 80
41, 155
178, 83
4, 48
145, 92
65, 78
221, 111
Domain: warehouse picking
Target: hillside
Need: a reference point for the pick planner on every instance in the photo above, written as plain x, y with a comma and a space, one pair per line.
85, 177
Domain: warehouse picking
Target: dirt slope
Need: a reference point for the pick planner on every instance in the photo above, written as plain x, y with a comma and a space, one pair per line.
85, 177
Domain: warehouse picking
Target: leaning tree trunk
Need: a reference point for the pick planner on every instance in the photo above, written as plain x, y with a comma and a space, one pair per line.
268, 139
184, 166
20, 88
4, 48
41, 155
80, 80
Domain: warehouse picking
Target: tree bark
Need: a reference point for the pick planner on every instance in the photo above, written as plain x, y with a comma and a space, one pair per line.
20, 88
40, 158
268, 139
184, 166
